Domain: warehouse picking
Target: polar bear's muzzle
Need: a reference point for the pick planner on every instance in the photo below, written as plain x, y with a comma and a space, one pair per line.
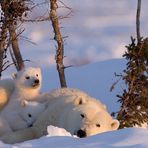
36, 83
81, 133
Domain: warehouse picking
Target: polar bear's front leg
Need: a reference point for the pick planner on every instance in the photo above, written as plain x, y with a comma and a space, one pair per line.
4, 126
18, 136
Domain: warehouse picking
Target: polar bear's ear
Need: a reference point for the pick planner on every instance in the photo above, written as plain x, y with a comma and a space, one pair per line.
24, 103
80, 101
115, 124
14, 75
104, 106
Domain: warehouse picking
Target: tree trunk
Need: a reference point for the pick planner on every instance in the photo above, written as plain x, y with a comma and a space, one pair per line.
15, 47
138, 20
60, 43
2, 47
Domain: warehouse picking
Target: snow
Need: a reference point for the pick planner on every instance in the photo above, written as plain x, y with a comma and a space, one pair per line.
125, 138
95, 79
99, 30
56, 131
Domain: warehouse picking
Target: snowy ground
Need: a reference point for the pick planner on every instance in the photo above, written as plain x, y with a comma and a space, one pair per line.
95, 79
127, 138
99, 30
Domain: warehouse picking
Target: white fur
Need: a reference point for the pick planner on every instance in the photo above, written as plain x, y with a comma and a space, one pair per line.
6, 89
73, 94
25, 115
72, 111
27, 84
25, 89
20, 88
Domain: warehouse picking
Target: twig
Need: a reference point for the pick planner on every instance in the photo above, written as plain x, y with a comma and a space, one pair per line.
4, 68
37, 20
114, 84
27, 39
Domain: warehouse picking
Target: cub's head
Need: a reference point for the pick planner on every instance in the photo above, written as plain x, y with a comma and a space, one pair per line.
28, 78
88, 119
30, 110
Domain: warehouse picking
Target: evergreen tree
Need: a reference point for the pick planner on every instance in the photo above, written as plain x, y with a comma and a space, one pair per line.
134, 100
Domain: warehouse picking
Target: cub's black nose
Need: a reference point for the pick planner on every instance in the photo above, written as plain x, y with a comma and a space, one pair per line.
30, 125
36, 81
81, 133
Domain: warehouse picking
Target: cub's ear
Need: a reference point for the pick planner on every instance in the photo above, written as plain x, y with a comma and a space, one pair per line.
24, 103
14, 75
38, 69
115, 124
80, 101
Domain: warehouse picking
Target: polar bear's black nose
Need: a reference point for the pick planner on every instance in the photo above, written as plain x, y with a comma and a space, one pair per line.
81, 133
36, 81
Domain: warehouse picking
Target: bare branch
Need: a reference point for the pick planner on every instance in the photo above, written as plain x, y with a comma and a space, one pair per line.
65, 6
27, 39
116, 82
36, 20
68, 66
14, 63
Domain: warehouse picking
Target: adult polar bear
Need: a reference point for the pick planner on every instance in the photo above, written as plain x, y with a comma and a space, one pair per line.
71, 109
6, 89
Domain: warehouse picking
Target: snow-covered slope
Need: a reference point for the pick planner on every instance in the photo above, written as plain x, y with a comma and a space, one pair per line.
95, 79
127, 138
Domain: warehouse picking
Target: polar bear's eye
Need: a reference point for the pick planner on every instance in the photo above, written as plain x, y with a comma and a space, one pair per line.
27, 77
37, 75
98, 125
82, 115
29, 115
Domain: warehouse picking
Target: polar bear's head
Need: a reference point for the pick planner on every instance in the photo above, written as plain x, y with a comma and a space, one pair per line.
28, 78
85, 120
30, 110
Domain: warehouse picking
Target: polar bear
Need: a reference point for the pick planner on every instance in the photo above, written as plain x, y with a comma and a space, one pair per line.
6, 89
90, 121
73, 93
25, 84
81, 115
23, 117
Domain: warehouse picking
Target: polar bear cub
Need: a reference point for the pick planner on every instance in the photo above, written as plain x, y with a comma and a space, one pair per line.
25, 115
27, 83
